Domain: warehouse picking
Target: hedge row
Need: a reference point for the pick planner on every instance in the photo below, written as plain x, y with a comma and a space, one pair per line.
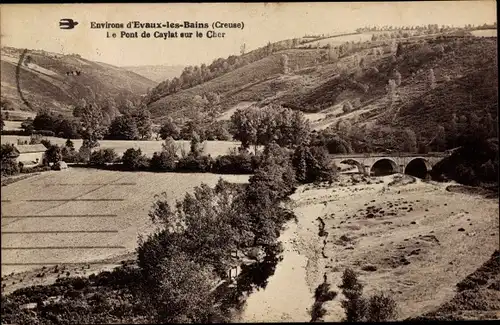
133, 159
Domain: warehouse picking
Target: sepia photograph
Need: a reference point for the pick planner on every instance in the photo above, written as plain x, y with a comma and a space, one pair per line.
249, 162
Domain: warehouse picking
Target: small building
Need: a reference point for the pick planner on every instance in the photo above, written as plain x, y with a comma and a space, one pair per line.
30, 155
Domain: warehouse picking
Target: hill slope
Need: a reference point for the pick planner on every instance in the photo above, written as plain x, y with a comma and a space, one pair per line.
157, 73
54, 81
465, 81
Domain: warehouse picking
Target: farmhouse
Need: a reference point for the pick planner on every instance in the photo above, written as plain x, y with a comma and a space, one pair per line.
29, 154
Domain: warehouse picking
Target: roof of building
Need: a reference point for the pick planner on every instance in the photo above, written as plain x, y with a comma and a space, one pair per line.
28, 148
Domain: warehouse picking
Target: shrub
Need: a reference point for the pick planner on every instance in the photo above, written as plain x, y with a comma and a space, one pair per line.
53, 154
200, 164
162, 161
133, 159
9, 167
102, 157
35, 169
355, 306
236, 164
381, 308
15, 132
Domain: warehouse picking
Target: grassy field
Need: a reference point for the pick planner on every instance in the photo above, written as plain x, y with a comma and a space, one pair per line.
214, 148
12, 126
485, 33
18, 116
83, 215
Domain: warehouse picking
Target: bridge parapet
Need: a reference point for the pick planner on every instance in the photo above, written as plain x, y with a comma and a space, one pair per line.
391, 154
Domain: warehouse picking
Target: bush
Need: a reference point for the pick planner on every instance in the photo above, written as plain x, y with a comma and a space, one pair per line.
9, 167
162, 161
236, 164
15, 132
71, 155
197, 164
53, 154
133, 159
381, 308
36, 169
102, 157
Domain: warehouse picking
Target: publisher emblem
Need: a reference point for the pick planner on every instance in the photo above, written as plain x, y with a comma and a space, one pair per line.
67, 23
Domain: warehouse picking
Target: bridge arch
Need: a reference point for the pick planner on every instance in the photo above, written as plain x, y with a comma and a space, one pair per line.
418, 167
350, 161
384, 166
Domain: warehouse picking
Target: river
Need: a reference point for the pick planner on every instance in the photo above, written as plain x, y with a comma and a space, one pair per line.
287, 297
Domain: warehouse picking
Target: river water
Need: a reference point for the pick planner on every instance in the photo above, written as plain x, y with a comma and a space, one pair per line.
287, 297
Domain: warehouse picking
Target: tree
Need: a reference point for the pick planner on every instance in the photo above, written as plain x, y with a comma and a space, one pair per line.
243, 127
166, 159
103, 157
27, 126
79, 107
195, 149
347, 107
133, 159
53, 154
399, 50
169, 129
2, 123
312, 164
91, 118
284, 64
410, 140
397, 77
8, 162
43, 121
344, 127
109, 111
66, 128
355, 306
143, 121
69, 144
440, 138
123, 128
432, 79
391, 90
182, 292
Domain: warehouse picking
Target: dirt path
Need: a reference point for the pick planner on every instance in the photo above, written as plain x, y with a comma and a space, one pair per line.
413, 239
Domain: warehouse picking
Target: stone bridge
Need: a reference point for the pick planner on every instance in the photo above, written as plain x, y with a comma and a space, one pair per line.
405, 163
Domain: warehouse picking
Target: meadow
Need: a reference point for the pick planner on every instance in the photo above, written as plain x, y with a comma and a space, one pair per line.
84, 215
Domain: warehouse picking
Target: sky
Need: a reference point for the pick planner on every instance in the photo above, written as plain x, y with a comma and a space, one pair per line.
36, 26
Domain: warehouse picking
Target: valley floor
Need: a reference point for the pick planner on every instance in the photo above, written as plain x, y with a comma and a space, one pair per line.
410, 238
413, 239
